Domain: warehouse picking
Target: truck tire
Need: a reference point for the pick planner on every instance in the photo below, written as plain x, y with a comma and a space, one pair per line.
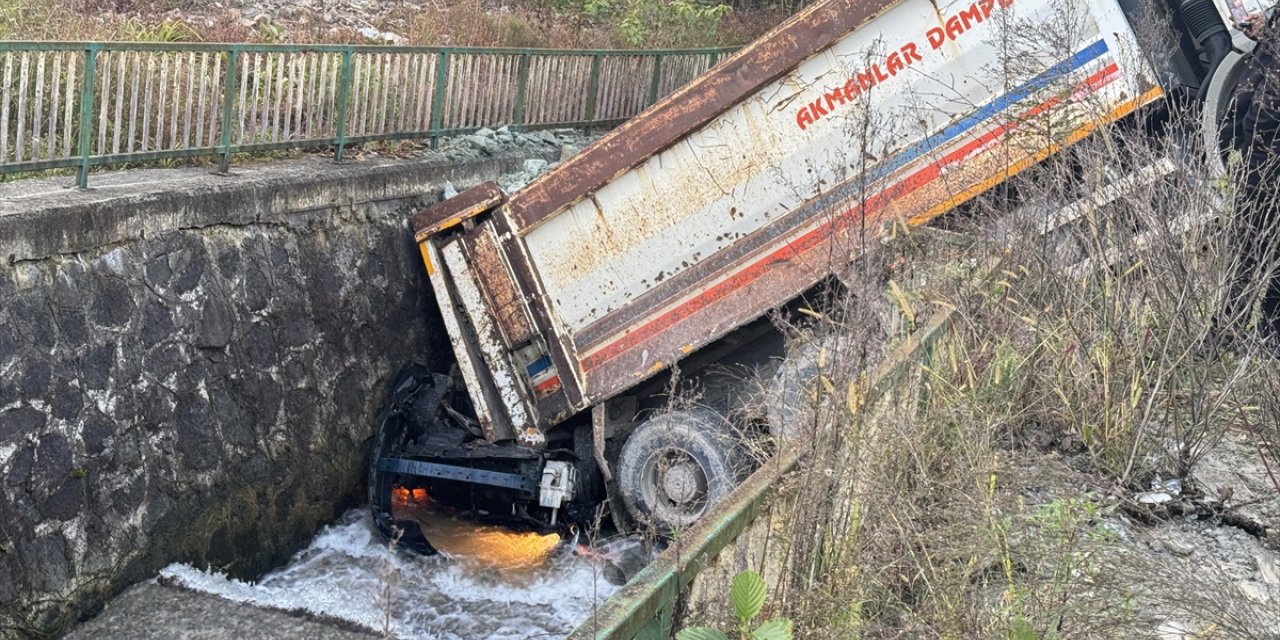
800, 405
416, 397
1217, 104
676, 466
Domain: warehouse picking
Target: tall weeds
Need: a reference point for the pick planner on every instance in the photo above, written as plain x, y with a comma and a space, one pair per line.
1118, 339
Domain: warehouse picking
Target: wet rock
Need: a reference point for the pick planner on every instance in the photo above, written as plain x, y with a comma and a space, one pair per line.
157, 323
621, 558
66, 501
188, 262
97, 433
1254, 591
156, 609
112, 305
1177, 547
46, 561
33, 381
19, 469
216, 323
1268, 566
8, 344
20, 420
54, 462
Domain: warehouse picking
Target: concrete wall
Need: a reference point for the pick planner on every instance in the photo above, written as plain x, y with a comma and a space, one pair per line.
190, 365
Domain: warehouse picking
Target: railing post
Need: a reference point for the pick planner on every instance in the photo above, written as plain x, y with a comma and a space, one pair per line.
344, 96
657, 78
86, 112
593, 87
522, 86
229, 91
437, 100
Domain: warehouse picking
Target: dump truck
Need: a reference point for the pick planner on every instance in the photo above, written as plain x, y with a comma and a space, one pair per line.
662, 245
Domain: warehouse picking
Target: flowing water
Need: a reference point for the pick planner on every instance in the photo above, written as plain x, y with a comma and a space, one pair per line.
487, 583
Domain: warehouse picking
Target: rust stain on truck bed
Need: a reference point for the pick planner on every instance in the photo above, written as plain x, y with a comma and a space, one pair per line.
504, 299
669, 120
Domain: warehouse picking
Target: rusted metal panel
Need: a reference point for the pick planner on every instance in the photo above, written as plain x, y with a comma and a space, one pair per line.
502, 297
808, 32
651, 346
470, 364
502, 374
447, 213
568, 399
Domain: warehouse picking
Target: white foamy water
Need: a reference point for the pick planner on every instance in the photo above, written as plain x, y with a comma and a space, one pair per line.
348, 572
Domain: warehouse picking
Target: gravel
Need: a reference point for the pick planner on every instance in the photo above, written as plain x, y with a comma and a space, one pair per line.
487, 142
374, 20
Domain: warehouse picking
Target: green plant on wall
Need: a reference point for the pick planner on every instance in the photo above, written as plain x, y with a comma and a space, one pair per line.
136, 30
747, 594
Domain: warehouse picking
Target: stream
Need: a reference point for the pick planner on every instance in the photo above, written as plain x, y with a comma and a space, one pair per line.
486, 583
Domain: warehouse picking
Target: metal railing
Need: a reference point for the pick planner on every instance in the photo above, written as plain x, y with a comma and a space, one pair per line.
647, 607
82, 105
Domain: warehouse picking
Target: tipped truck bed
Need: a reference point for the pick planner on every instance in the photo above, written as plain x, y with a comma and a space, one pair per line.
749, 185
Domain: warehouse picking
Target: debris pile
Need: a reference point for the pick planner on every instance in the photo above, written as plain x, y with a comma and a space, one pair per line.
487, 142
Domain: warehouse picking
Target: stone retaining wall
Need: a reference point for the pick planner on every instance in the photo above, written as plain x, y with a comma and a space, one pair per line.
192, 375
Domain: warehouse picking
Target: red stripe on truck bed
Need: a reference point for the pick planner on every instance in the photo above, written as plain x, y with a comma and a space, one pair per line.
816, 236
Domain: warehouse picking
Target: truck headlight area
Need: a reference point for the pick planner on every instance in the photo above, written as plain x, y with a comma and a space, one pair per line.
426, 451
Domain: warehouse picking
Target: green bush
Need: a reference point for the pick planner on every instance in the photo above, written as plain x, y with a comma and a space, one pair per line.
747, 595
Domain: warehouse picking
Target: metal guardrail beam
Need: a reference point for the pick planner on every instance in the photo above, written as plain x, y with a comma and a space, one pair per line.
646, 607
86, 105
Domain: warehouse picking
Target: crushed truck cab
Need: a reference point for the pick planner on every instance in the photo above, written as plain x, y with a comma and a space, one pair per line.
727, 199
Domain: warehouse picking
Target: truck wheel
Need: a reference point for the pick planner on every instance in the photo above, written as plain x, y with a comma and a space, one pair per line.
414, 403
677, 465
800, 403
1217, 103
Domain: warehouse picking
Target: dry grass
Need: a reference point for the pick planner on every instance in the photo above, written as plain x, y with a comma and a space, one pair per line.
981, 500
453, 23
